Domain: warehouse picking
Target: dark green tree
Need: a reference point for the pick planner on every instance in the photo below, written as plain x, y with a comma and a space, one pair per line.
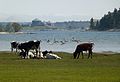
97, 25
115, 19
108, 21
8, 28
12, 27
16, 27
92, 24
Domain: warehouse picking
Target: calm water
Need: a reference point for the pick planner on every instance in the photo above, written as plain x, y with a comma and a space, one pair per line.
104, 41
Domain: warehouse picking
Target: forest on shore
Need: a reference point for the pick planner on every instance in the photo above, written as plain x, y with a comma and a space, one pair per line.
110, 21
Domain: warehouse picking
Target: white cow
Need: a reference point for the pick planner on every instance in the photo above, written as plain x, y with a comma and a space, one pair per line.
52, 56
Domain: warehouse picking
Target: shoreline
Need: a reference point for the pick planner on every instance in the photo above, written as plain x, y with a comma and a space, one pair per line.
102, 52
17, 33
111, 30
107, 52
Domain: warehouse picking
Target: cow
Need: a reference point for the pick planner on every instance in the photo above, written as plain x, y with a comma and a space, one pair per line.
50, 55
14, 45
29, 45
83, 47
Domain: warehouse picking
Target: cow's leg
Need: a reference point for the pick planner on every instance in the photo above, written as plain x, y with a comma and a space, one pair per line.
37, 54
11, 49
24, 55
39, 50
16, 49
78, 55
89, 54
74, 55
82, 55
27, 53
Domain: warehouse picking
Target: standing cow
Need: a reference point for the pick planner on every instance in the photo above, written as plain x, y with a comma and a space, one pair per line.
14, 45
26, 46
83, 47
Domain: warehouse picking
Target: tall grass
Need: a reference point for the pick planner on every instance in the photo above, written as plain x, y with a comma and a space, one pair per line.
102, 68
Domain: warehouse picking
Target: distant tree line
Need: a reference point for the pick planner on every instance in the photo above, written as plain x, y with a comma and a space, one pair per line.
10, 27
70, 25
107, 22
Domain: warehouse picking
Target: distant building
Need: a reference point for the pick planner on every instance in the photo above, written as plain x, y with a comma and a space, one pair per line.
48, 23
37, 22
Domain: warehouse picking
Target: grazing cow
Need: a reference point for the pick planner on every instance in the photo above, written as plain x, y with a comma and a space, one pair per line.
83, 47
25, 47
14, 45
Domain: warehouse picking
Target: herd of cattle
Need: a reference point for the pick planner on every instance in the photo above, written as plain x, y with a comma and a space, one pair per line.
31, 49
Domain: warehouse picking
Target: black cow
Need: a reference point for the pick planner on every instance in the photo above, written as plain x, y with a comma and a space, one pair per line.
14, 45
25, 47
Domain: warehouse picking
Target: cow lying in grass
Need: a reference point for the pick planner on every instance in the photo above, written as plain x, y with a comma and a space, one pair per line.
50, 55
41, 55
31, 55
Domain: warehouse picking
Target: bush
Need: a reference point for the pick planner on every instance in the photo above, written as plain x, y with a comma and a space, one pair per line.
12, 27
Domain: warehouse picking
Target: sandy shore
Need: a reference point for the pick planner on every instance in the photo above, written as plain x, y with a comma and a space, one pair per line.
106, 52
16, 33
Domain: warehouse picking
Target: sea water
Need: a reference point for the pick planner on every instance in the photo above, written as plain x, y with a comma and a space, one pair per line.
64, 40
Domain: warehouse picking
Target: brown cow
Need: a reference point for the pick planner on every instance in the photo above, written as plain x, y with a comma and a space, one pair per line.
83, 47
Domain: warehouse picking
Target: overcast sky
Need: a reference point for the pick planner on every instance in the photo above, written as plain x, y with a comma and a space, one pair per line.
66, 9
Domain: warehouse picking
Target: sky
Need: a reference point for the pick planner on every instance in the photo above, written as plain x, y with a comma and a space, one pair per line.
55, 10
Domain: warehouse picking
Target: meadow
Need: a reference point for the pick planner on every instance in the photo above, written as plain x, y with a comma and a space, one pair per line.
102, 68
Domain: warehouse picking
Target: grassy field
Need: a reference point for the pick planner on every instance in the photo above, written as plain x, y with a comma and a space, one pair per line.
102, 68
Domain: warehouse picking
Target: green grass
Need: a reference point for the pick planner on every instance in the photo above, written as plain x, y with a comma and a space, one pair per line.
102, 68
